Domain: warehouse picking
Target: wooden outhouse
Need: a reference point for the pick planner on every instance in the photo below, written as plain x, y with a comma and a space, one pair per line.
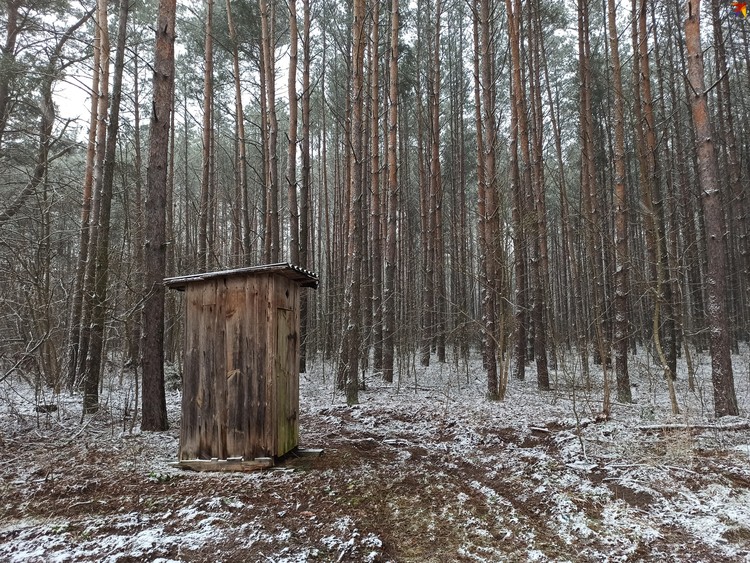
240, 392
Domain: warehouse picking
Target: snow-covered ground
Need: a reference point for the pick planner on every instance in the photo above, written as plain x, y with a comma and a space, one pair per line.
424, 469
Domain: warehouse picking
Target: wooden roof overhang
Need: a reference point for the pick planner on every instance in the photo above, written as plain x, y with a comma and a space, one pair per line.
303, 277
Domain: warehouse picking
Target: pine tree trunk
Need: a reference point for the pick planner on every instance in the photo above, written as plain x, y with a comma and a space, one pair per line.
241, 218
541, 262
134, 331
565, 309
91, 389
272, 228
436, 197
351, 342
291, 162
428, 288
483, 250
74, 332
725, 400
665, 337
666, 209
518, 181
304, 234
389, 295
264, 221
492, 267
101, 276
622, 256
376, 238
173, 330
208, 94
589, 189
154, 406
738, 224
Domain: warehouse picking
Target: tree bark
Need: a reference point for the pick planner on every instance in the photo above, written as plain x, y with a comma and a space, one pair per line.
74, 330
208, 94
304, 225
272, 242
492, 269
541, 260
725, 400
241, 250
589, 189
622, 256
291, 162
519, 180
351, 341
389, 294
89, 280
101, 253
376, 241
738, 221
154, 407
436, 196
134, 330
426, 226
665, 336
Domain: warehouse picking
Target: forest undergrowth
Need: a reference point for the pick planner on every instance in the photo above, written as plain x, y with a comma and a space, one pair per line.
424, 469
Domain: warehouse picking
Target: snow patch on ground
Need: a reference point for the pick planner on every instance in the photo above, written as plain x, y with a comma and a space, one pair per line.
424, 469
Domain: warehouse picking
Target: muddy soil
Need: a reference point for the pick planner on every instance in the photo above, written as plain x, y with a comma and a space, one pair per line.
432, 474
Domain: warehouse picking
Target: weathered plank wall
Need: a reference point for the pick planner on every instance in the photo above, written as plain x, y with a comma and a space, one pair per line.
285, 364
240, 381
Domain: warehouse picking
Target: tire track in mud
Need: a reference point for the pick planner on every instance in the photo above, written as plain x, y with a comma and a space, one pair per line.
515, 496
392, 485
433, 503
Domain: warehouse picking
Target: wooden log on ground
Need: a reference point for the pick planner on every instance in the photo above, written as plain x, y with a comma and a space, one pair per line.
232, 464
665, 428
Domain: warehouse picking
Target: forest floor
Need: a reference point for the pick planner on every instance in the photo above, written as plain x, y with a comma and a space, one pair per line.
425, 469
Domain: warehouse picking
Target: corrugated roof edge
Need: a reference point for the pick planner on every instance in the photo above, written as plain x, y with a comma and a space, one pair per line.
305, 278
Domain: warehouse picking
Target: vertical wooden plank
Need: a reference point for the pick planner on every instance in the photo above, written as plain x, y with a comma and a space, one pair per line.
294, 363
198, 391
236, 369
256, 358
280, 379
269, 438
286, 411
205, 396
286, 368
277, 378
189, 432
251, 348
218, 377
